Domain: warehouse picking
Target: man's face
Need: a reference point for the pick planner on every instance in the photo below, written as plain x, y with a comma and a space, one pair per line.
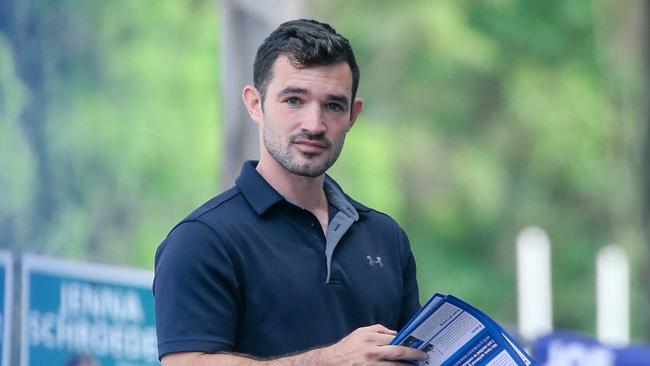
306, 114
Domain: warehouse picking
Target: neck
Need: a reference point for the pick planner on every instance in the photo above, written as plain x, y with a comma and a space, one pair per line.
305, 191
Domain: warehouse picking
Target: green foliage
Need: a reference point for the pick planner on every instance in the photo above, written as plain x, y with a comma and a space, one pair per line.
132, 92
498, 115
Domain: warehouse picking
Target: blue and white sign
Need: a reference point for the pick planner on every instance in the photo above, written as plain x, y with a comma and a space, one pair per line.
6, 300
90, 314
567, 349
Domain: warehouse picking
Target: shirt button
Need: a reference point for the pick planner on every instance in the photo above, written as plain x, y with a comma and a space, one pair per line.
311, 224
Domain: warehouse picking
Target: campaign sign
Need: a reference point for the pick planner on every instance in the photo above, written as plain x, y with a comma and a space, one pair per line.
86, 314
6, 283
567, 349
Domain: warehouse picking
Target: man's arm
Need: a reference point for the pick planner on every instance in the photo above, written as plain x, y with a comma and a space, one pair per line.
364, 346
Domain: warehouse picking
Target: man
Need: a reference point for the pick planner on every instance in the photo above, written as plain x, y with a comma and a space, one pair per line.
284, 262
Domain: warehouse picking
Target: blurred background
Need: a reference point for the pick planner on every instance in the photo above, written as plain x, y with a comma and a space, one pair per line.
481, 118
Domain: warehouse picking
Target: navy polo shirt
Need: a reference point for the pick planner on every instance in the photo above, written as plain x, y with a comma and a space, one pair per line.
252, 273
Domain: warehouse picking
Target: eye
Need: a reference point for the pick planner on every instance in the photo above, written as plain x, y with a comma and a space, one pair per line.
292, 101
334, 107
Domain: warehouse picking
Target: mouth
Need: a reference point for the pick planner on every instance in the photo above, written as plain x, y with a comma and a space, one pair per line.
311, 146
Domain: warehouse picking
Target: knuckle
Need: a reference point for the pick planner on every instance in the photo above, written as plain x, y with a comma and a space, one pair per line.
365, 356
369, 354
371, 327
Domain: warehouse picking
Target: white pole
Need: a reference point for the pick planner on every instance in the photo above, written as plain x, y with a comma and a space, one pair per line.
534, 283
613, 296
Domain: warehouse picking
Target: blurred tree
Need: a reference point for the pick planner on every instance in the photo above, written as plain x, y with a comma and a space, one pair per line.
114, 95
501, 114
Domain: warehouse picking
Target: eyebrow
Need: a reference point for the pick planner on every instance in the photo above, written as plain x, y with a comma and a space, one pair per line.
292, 90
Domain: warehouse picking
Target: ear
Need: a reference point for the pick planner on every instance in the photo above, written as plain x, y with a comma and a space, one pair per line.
253, 102
357, 107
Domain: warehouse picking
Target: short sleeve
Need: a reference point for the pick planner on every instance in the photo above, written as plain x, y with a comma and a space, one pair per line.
195, 290
410, 296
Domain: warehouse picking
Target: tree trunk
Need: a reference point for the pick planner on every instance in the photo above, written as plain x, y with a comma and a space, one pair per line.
245, 24
645, 156
26, 37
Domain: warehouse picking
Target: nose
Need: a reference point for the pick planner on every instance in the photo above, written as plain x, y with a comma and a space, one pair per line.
314, 120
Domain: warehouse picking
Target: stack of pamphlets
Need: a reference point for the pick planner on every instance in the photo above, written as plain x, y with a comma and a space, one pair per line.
454, 333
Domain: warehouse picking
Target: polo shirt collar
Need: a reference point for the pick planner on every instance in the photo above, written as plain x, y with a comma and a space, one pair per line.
337, 198
261, 195
257, 191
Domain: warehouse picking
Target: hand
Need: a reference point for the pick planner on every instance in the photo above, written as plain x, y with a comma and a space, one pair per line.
369, 346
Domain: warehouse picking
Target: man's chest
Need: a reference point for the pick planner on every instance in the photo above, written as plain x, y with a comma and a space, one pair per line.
284, 278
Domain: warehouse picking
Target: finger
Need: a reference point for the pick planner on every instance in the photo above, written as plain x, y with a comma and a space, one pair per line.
378, 328
388, 331
397, 353
380, 339
381, 329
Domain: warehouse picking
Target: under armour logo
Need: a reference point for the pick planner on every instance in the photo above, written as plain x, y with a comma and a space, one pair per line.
373, 262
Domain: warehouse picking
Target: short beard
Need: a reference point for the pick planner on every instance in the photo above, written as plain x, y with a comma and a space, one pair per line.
287, 157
